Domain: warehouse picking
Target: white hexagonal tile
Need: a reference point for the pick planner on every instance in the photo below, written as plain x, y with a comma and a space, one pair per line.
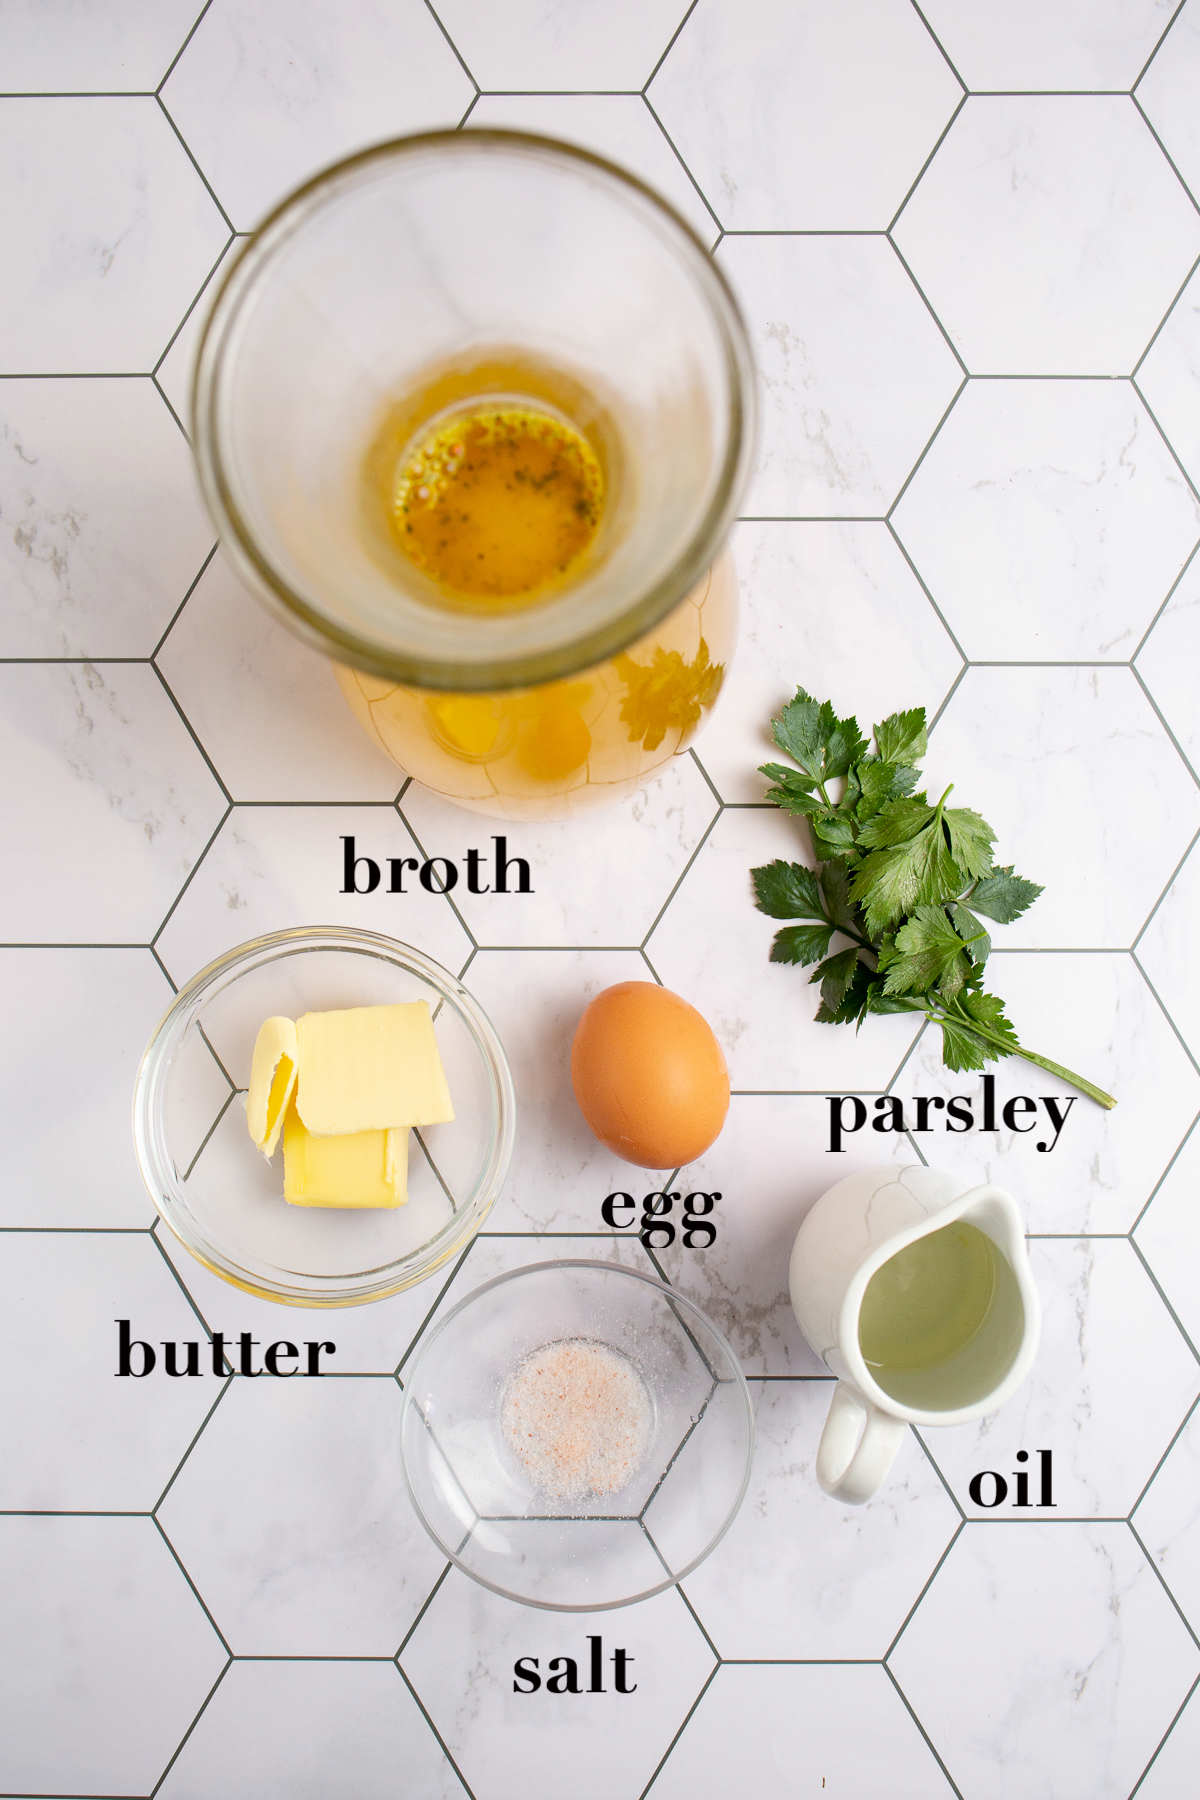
1049, 519
1172, 1773
318, 1552
853, 372
1167, 951
1169, 1236
1045, 1659
1170, 378
1112, 1380
648, 839
115, 1441
175, 372
1168, 92
800, 1576
560, 1173
103, 527
111, 233
769, 1165
834, 147
268, 91
618, 126
713, 947
763, 1728
1095, 1015
1052, 44
1074, 193
274, 866
536, 1746
534, 45
105, 829
87, 1603
1077, 779
56, 46
1168, 1520
362, 1731
265, 706
889, 649
1168, 658
77, 1022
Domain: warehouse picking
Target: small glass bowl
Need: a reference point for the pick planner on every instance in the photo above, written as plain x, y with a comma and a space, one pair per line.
220, 1196
481, 1504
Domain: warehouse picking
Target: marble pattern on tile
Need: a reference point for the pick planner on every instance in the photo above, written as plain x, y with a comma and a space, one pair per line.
1111, 1383
59, 46
529, 46
618, 126
836, 150
75, 1024
289, 1516
769, 1165
648, 839
1168, 659
362, 1733
269, 91
801, 1576
560, 1173
1167, 1520
1049, 520
133, 1663
1045, 1660
713, 947
835, 597
116, 1440
512, 1745
110, 233
853, 372
1170, 378
1094, 1014
1168, 1235
1078, 780
103, 530
1049, 44
175, 372
1171, 1775
1168, 92
1166, 950
275, 866
774, 1729
265, 706
91, 798
1072, 191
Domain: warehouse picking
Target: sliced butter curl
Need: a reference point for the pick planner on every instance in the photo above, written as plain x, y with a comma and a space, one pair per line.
273, 1070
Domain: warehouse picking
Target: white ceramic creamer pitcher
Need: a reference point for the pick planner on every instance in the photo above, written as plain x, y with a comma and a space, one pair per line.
908, 1351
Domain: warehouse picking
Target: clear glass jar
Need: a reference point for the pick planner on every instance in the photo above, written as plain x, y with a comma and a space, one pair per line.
486, 249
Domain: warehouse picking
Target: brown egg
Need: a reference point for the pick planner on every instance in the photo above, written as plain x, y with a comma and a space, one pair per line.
649, 1075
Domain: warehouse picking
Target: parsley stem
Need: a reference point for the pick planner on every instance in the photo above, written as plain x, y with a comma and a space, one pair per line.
1043, 1062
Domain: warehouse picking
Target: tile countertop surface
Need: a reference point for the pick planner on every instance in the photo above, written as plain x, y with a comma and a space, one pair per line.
966, 241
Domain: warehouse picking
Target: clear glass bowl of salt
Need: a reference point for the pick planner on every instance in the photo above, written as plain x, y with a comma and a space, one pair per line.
576, 1435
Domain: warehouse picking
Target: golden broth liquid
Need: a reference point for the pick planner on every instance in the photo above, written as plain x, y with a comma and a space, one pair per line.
492, 489
928, 1301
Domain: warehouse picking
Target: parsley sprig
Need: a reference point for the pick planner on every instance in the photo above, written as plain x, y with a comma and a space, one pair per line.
907, 881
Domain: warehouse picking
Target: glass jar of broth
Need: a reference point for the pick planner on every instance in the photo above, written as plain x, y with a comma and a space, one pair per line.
474, 414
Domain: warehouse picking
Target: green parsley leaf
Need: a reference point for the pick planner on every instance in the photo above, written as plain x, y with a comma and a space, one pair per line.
895, 823
801, 943
961, 1049
835, 889
901, 737
975, 939
928, 953
785, 890
835, 975
891, 882
876, 783
1004, 896
832, 838
810, 732
971, 840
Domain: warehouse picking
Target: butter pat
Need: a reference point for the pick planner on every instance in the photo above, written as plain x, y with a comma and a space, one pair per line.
355, 1169
370, 1068
273, 1070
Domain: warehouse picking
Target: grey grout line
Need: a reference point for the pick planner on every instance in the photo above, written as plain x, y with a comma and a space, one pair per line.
946, 57
1137, 81
930, 441
1162, 1740
424, 1608
187, 723
196, 1720
170, 69
187, 150
195, 1590
1179, 1149
182, 1284
929, 1743
1153, 130
195, 1439
1168, 884
191, 875
920, 580
172, 621
1167, 599
686, 167
458, 55
935, 1466
1162, 322
682, 877
1193, 490
196, 298
687, 1718
417, 1335
204, 1142
471, 105
445, 892
949, 694
1151, 1560
926, 302
1154, 1473
1159, 1290
1159, 715
928, 1583
941, 137
707, 778
428, 1718
671, 43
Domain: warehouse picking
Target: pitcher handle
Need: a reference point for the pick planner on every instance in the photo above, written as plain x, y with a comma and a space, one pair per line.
858, 1446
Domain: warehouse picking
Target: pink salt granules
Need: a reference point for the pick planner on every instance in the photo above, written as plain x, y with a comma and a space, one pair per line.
577, 1417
